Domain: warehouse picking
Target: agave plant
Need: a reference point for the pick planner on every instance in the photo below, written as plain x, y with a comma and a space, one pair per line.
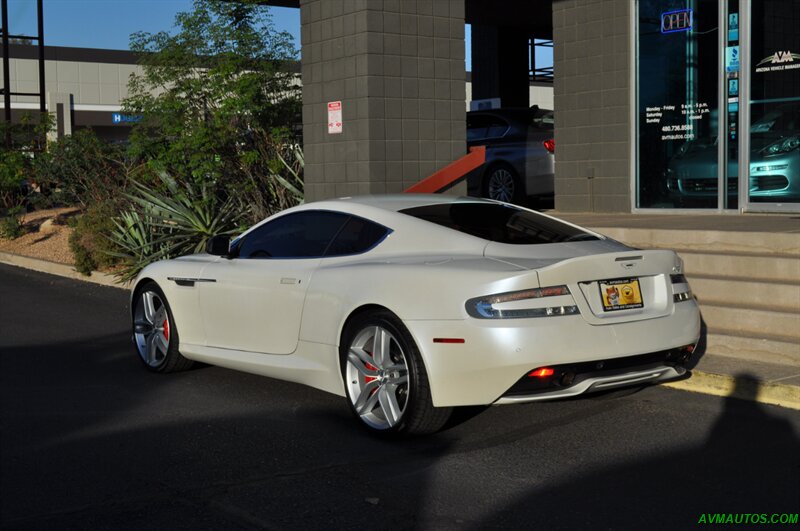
294, 184
163, 224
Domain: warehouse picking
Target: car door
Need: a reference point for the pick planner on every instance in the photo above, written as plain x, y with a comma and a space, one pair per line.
255, 302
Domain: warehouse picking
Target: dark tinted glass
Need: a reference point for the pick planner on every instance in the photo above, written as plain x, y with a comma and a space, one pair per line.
357, 236
497, 128
477, 125
678, 110
499, 223
300, 235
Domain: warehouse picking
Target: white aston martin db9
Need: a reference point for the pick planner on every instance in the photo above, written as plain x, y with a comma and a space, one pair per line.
410, 305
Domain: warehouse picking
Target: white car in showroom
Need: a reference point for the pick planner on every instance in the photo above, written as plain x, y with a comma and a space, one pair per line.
410, 305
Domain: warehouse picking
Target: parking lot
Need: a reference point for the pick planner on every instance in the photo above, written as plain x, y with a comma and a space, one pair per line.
90, 440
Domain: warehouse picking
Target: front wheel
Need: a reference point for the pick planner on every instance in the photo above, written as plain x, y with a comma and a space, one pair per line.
155, 335
385, 380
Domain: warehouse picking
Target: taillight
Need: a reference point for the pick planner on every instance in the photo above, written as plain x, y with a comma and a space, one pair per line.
550, 145
550, 301
680, 288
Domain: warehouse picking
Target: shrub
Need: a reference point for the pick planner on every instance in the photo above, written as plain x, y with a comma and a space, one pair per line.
11, 226
12, 172
90, 241
82, 169
169, 221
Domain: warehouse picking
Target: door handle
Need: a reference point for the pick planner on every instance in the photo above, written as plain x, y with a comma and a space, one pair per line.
286, 280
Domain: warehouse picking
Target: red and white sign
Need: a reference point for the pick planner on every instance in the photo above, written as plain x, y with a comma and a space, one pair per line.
334, 117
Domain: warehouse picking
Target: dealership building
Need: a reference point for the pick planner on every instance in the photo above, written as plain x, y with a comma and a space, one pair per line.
660, 105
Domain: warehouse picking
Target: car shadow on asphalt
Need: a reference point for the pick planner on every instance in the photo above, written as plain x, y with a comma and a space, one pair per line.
748, 464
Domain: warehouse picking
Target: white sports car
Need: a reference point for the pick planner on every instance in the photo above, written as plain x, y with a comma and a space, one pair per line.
410, 305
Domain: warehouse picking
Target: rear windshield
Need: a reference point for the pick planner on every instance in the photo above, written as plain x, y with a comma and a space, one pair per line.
499, 223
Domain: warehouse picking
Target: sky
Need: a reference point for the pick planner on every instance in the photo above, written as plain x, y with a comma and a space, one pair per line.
109, 23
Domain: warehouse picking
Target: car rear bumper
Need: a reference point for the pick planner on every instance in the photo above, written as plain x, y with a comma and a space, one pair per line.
496, 354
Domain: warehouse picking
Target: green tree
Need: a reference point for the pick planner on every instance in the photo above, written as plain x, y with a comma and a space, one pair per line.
218, 100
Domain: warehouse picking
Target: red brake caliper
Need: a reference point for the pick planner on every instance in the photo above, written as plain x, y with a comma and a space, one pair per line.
368, 379
166, 329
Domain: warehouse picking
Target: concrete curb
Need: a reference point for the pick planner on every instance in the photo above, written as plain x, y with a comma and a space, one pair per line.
787, 396
725, 385
62, 270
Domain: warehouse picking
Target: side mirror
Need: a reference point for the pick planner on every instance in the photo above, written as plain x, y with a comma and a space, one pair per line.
218, 245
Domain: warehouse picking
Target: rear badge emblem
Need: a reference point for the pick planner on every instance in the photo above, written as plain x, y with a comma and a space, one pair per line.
628, 265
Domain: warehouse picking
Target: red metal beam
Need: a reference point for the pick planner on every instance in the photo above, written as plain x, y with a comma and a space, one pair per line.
450, 174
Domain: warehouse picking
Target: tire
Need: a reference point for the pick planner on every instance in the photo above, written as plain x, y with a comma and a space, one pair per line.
501, 183
389, 395
155, 336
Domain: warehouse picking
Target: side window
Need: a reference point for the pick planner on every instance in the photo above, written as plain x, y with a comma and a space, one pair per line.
300, 235
497, 128
357, 236
477, 126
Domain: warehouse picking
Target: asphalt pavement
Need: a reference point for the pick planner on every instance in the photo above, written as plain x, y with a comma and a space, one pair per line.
90, 440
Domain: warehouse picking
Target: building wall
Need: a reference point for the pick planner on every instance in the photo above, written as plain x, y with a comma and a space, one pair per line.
592, 92
398, 69
90, 83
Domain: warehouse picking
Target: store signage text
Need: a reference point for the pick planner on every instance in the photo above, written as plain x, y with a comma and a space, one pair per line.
775, 62
118, 118
676, 21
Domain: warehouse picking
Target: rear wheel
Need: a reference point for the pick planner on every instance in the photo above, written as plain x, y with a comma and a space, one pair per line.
502, 183
385, 380
154, 333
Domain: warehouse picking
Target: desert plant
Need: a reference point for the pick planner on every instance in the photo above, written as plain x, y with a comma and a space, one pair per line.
12, 175
135, 243
11, 226
175, 220
89, 241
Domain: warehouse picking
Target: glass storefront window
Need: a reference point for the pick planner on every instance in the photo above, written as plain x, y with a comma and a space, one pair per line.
678, 108
774, 175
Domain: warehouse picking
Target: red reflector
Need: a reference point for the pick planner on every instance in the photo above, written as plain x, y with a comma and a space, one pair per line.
544, 372
448, 340
690, 349
550, 145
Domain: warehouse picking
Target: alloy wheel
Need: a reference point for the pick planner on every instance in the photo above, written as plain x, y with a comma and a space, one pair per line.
377, 377
151, 329
502, 186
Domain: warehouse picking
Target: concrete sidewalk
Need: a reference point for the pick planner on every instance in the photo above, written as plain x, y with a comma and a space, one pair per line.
748, 379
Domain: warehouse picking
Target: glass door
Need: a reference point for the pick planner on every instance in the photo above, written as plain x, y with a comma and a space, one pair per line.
678, 126
773, 139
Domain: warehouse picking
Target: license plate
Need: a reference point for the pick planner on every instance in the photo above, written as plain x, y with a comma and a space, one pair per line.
621, 294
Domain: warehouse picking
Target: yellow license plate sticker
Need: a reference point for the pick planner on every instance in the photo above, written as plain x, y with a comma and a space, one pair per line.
621, 294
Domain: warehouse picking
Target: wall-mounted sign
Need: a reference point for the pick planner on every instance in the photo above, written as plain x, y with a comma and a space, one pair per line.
334, 117
119, 118
733, 87
676, 21
780, 60
733, 27
732, 59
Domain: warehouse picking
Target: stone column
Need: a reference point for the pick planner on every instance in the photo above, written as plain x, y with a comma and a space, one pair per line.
592, 91
398, 69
